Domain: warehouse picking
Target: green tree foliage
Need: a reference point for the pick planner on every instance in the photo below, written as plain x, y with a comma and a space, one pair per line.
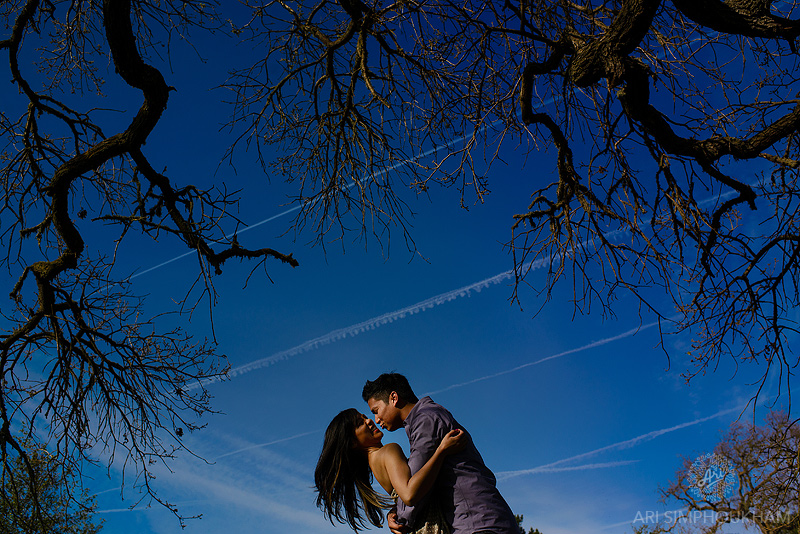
37, 499
532, 530
766, 462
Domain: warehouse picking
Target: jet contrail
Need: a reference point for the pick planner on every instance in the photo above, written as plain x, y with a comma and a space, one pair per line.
591, 345
627, 444
267, 444
350, 186
585, 467
373, 323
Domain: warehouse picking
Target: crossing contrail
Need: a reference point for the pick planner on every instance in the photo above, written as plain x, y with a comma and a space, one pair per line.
627, 444
586, 467
546, 468
267, 444
588, 346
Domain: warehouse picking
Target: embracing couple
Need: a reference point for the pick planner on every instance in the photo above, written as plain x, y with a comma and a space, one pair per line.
443, 486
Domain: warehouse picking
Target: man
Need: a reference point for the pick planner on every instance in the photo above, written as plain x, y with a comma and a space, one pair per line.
465, 487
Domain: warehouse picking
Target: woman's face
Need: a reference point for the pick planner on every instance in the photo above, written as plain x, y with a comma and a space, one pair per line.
368, 434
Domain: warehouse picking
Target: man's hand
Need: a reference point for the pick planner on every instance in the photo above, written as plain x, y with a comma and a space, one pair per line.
394, 526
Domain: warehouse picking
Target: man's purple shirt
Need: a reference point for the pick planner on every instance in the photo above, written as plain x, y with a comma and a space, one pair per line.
465, 488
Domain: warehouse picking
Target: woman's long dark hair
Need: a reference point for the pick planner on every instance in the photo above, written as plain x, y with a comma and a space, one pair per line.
343, 478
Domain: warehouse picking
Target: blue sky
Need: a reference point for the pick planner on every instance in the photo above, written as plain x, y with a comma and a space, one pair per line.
581, 418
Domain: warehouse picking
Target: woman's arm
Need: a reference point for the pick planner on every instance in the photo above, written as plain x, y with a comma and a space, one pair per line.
411, 488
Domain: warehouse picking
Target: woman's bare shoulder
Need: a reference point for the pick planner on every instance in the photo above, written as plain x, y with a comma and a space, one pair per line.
393, 448
385, 459
390, 452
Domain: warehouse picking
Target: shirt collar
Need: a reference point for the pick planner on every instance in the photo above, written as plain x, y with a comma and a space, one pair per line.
424, 401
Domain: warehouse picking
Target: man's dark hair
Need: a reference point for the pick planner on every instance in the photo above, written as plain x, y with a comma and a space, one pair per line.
382, 387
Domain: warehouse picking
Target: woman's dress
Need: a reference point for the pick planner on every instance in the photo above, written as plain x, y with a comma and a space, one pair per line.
430, 520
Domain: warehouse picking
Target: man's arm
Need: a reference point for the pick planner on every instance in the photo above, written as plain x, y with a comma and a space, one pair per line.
427, 433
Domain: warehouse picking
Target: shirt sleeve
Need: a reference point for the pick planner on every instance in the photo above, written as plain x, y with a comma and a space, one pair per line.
425, 438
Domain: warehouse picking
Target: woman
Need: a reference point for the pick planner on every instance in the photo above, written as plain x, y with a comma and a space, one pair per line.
353, 452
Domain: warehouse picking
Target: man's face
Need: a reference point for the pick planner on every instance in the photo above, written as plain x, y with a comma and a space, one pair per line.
387, 415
